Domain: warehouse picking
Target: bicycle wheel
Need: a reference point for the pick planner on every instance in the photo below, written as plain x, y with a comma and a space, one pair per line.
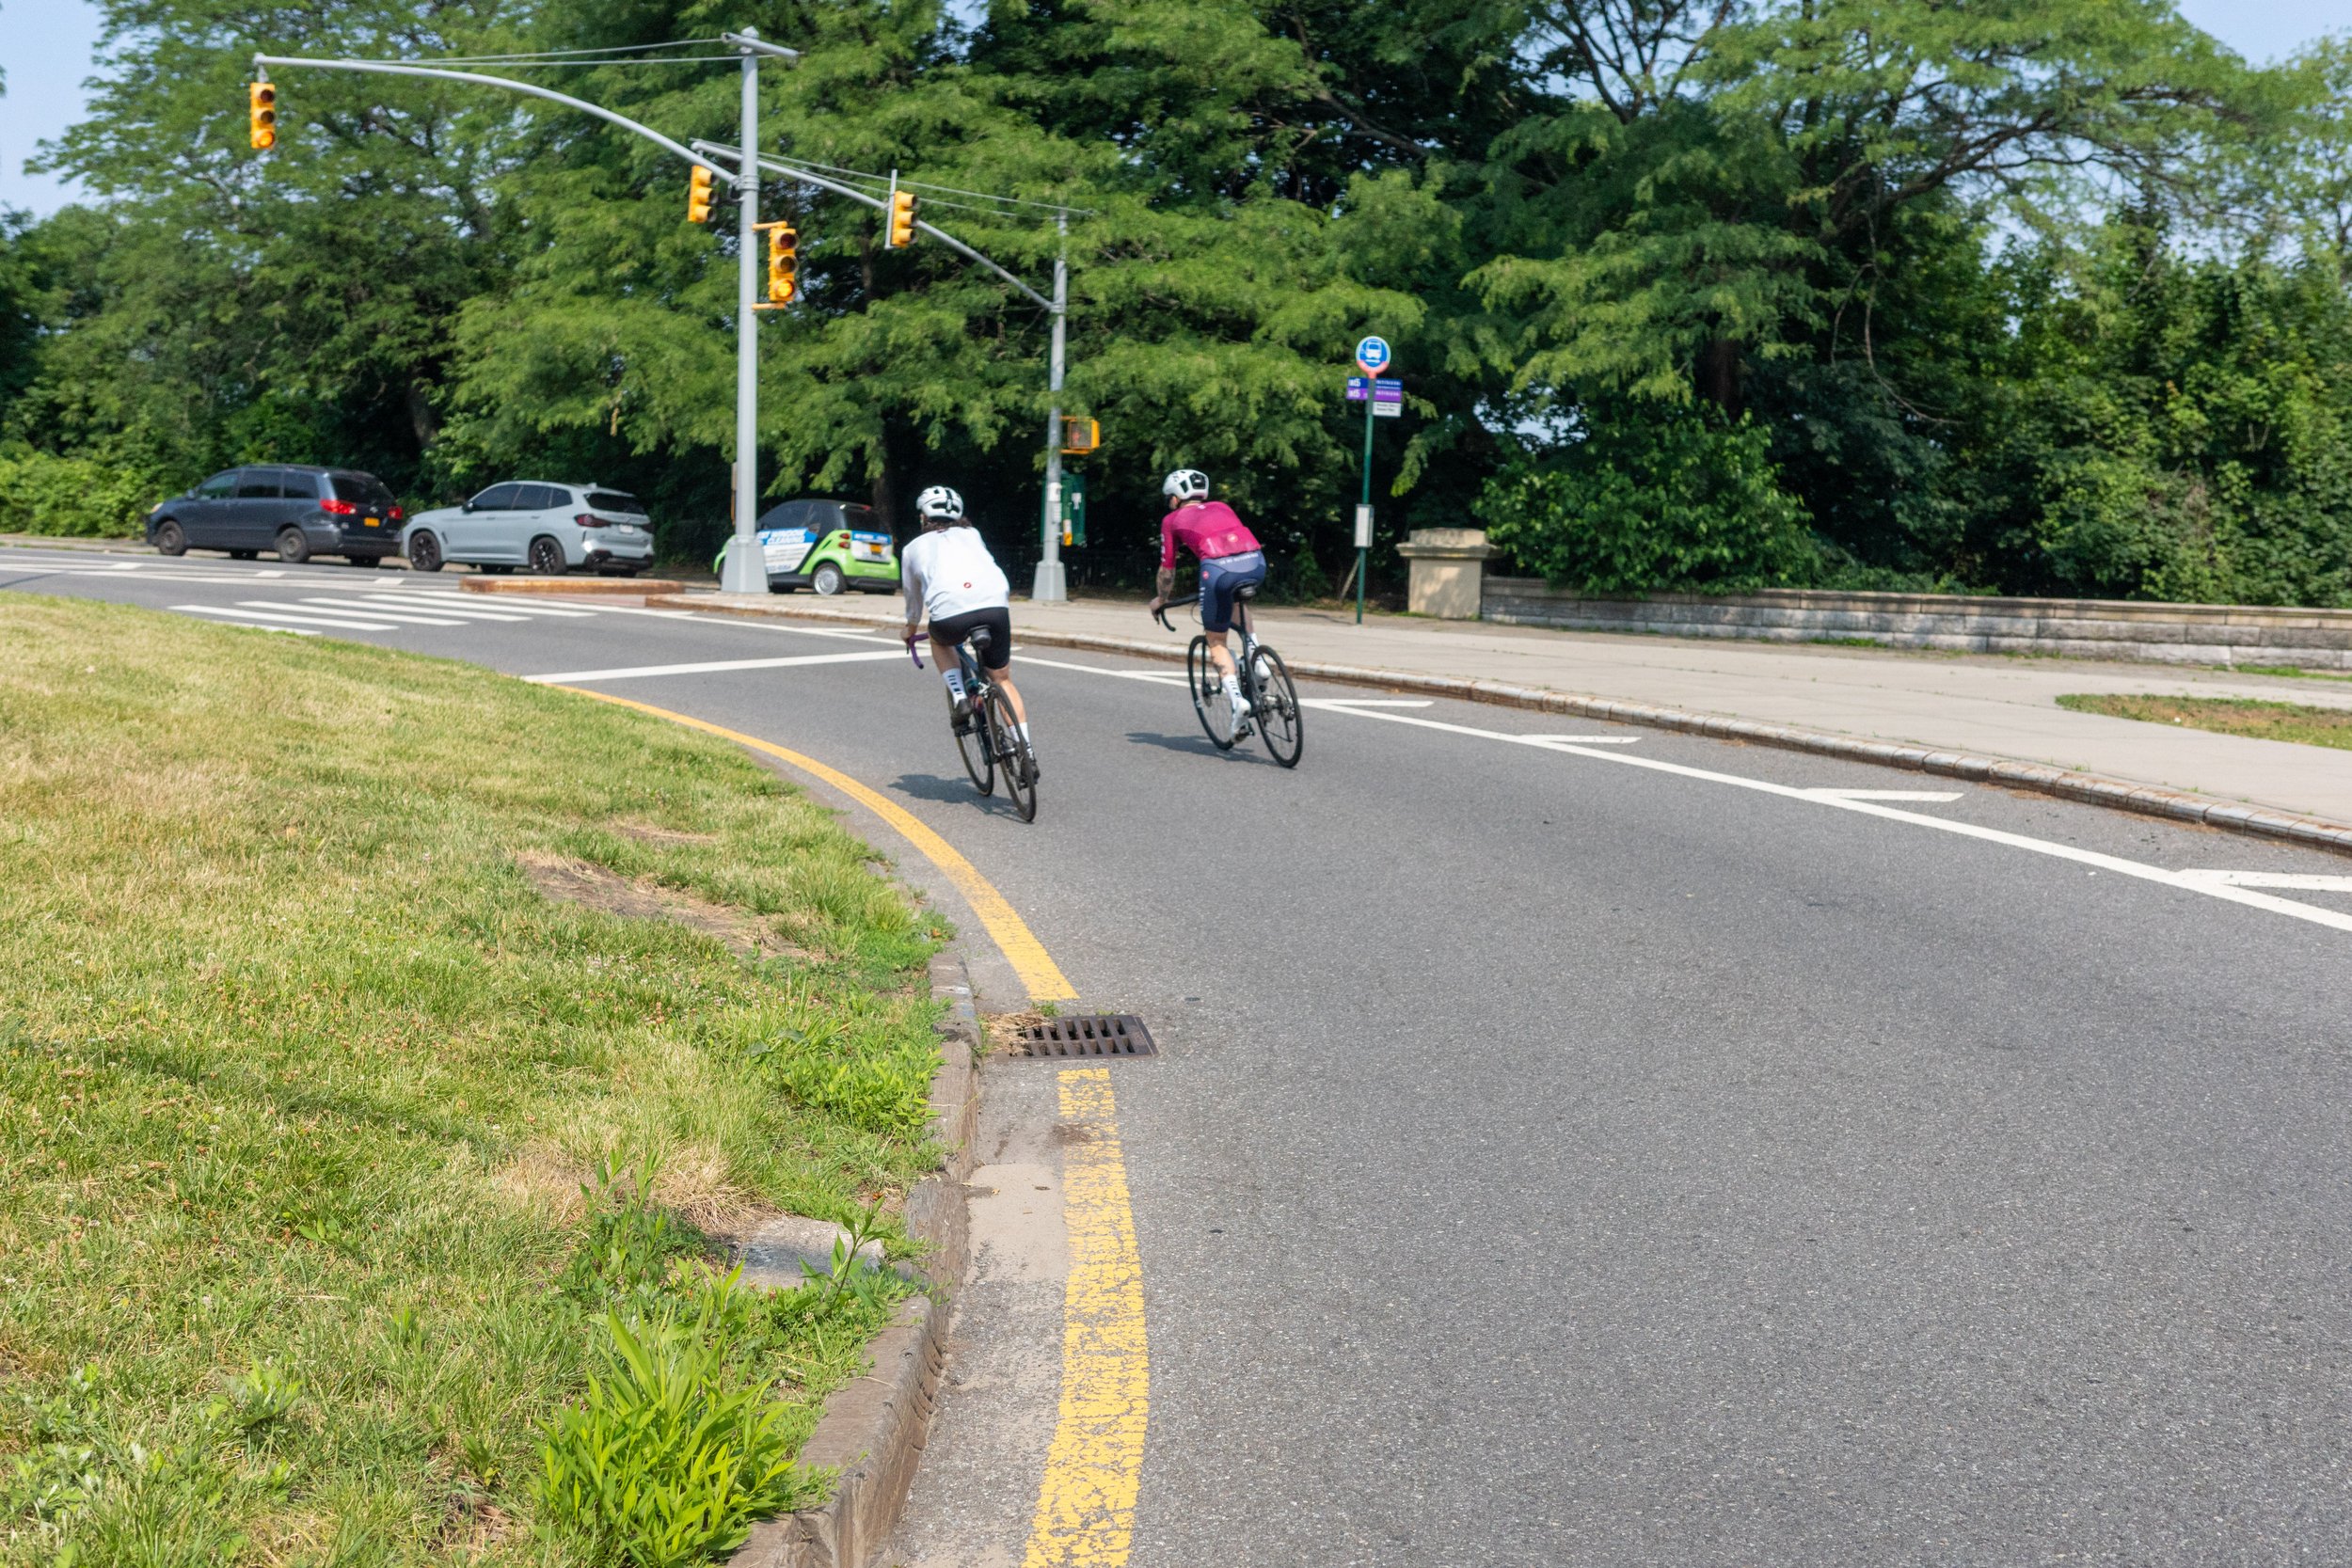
978, 749
1208, 695
1012, 757
1280, 719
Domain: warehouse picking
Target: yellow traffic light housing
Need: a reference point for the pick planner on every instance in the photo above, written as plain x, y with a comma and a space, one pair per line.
784, 262
901, 218
699, 194
262, 110
1079, 436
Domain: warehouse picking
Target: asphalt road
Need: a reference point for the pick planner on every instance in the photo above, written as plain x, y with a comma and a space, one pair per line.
1601, 1153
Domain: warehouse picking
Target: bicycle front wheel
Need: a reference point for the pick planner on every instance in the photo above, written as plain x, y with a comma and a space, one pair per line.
1208, 695
978, 749
1279, 716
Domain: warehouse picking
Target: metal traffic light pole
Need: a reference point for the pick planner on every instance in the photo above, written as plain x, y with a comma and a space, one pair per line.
745, 572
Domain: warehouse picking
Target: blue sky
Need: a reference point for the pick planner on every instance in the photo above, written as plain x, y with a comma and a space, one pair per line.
45, 48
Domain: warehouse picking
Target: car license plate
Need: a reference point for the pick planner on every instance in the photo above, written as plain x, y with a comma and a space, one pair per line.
374, 522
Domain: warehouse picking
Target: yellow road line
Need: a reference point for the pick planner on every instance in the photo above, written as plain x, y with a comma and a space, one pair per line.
1085, 1506
1037, 972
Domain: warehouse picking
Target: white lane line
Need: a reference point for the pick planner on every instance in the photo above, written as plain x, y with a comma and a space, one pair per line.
1585, 739
2145, 872
279, 609
1884, 794
1372, 702
443, 600
433, 616
639, 672
247, 618
2273, 878
269, 573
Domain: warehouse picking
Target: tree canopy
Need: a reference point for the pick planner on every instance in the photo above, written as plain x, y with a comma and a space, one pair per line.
2036, 295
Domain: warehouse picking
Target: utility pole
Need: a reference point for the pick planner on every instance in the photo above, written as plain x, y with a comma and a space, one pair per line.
746, 569
1049, 585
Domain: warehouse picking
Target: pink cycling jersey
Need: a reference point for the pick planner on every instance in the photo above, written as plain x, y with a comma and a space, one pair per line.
1207, 529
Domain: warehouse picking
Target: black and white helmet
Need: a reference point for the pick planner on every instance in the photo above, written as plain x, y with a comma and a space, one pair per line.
1186, 484
939, 504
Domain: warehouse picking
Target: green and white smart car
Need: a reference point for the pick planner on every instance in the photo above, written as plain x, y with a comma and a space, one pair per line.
826, 546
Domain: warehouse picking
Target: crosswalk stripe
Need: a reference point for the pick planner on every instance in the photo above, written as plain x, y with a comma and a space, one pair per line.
435, 616
266, 611
456, 606
232, 619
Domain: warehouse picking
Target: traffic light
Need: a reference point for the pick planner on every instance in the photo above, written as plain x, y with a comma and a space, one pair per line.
784, 262
901, 218
261, 100
698, 195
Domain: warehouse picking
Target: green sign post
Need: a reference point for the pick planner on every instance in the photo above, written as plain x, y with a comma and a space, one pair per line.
1372, 358
1073, 508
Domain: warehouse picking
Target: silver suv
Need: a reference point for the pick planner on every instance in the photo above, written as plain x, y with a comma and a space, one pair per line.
549, 528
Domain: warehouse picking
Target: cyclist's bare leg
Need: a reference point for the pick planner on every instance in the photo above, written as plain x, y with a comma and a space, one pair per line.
1219, 654
1004, 684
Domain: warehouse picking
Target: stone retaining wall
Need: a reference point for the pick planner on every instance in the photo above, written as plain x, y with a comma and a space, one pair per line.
2073, 628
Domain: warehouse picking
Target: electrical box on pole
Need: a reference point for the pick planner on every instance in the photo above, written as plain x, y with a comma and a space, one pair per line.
1074, 509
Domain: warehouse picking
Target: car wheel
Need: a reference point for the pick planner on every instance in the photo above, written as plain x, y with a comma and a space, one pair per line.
363, 560
170, 539
547, 558
424, 553
293, 549
827, 580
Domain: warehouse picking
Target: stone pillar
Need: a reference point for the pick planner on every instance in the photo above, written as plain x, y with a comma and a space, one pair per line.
1448, 573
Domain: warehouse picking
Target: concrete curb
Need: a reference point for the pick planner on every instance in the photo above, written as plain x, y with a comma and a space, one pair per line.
874, 1429
2090, 788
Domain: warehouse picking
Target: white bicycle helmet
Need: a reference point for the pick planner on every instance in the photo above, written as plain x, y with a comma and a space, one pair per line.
1186, 484
941, 503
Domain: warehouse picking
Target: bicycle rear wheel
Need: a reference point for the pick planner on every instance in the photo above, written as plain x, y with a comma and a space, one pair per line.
978, 749
1280, 719
1016, 761
1208, 695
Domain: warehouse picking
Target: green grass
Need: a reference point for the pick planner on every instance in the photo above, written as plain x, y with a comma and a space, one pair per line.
301, 1082
2292, 671
2295, 721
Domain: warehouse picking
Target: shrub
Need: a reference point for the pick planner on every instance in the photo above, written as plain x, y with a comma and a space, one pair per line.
42, 493
1653, 500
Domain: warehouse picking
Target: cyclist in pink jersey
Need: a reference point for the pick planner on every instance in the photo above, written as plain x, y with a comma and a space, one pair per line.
1230, 561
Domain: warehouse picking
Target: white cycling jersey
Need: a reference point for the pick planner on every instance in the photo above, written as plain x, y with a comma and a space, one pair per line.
948, 571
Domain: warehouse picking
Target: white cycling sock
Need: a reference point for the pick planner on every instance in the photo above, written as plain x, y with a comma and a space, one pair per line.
955, 681
1023, 731
1232, 689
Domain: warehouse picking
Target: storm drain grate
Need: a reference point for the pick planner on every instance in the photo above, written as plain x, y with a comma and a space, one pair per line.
1089, 1035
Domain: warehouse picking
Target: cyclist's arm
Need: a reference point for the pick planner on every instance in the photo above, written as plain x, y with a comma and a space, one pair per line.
911, 581
1164, 584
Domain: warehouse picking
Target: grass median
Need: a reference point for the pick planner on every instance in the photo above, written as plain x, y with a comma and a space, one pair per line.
356, 1193
2299, 722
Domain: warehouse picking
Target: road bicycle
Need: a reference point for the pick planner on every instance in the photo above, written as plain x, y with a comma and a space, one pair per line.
990, 742
1265, 683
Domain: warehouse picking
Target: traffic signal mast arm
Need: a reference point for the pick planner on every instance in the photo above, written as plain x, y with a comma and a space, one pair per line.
529, 89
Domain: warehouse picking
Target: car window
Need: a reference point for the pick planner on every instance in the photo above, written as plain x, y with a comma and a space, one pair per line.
544, 498
366, 489
217, 488
257, 485
859, 517
498, 497
623, 504
298, 484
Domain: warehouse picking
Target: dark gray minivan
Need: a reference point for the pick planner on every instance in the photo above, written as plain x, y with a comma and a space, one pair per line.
299, 512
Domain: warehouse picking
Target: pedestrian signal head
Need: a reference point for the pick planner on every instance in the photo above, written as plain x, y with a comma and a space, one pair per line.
262, 105
901, 218
783, 264
698, 194
1186, 485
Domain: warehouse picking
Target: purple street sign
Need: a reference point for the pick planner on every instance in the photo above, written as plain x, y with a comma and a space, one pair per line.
1383, 389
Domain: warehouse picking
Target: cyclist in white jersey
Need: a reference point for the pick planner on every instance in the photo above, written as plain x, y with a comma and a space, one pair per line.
949, 575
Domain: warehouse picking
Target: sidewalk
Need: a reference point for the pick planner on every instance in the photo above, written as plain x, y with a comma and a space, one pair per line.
1984, 704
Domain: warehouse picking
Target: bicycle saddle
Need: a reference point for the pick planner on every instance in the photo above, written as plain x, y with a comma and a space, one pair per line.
1248, 591
977, 637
